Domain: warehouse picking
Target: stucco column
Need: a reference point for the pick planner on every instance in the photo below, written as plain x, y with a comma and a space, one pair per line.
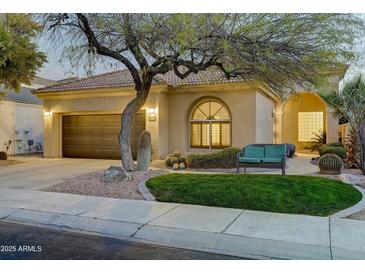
163, 121
331, 127
52, 138
158, 125
279, 120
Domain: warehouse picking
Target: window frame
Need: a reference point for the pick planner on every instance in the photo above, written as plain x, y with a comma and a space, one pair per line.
300, 131
210, 122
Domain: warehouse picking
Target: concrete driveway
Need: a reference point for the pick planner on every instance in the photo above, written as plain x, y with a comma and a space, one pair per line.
36, 172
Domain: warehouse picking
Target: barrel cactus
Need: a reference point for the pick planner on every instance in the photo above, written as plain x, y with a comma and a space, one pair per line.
168, 160
144, 151
177, 153
330, 164
174, 160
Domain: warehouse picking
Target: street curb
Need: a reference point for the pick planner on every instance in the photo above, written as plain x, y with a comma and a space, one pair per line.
142, 188
351, 180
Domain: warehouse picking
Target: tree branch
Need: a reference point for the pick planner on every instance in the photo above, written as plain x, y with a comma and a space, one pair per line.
100, 49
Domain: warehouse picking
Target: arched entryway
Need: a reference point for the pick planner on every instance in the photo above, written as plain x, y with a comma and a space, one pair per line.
304, 115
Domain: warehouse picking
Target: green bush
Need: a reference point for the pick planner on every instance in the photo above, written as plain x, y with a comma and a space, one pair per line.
335, 144
182, 159
221, 159
339, 151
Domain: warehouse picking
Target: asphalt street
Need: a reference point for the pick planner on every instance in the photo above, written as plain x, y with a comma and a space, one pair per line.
23, 242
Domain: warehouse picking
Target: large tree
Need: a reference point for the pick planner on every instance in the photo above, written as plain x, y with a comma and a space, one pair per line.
281, 50
19, 55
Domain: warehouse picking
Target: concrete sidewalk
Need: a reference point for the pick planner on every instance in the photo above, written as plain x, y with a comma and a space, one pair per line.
243, 233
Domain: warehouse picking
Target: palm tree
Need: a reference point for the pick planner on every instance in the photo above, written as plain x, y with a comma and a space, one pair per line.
350, 104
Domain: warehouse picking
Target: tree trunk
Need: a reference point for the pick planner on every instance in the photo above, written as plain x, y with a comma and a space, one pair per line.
126, 131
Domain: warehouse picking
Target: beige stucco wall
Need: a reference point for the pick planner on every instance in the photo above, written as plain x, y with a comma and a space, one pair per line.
241, 104
264, 119
15, 119
250, 106
94, 105
171, 129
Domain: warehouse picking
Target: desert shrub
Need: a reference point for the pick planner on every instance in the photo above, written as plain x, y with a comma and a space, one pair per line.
339, 151
318, 140
182, 159
221, 159
3, 155
352, 149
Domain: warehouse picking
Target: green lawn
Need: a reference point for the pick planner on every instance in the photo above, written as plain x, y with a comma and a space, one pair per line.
286, 194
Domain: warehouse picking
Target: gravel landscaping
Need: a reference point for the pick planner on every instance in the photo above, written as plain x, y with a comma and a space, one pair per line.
91, 185
358, 215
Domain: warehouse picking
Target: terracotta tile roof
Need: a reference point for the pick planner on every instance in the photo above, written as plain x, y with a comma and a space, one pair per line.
122, 78
203, 77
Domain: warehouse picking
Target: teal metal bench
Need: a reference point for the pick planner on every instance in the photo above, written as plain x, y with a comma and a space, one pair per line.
263, 156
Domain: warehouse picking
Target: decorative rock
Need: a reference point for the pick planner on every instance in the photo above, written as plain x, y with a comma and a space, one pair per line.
182, 165
115, 174
176, 166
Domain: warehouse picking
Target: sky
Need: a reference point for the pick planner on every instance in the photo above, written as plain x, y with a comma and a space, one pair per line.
58, 68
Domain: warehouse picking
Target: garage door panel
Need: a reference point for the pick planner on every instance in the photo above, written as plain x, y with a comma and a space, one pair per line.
96, 136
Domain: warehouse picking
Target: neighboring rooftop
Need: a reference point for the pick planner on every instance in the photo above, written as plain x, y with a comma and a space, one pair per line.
123, 78
25, 95
40, 82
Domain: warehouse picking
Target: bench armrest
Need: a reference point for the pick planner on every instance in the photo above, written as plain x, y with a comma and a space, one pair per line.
238, 154
283, 158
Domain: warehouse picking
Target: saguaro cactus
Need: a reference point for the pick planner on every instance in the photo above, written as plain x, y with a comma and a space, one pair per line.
144, 151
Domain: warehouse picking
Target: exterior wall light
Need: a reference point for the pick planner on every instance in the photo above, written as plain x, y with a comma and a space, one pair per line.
47, 114
152, 114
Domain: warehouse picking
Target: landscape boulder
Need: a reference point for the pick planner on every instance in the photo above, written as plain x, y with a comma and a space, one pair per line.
115, 174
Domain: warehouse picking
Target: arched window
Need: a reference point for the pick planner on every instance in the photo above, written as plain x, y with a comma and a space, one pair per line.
210, 125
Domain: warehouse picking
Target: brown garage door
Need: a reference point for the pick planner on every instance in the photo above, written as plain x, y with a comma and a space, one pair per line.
96, 136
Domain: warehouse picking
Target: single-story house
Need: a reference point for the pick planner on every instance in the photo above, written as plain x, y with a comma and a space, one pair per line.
21, 119
201, 113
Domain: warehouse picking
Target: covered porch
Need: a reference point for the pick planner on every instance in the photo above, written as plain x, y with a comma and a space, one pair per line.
302, 116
